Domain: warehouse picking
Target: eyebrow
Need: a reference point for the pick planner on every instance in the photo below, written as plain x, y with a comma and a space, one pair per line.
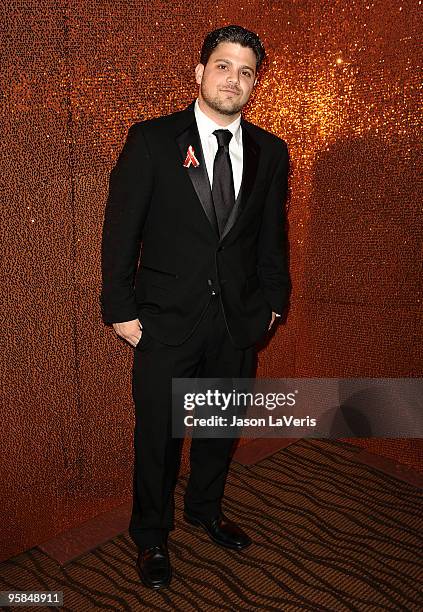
223, 59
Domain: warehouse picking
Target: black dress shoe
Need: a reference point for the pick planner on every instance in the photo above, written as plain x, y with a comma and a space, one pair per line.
154, 567
222, 531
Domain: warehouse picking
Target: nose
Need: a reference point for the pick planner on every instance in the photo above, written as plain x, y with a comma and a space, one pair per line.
233, 77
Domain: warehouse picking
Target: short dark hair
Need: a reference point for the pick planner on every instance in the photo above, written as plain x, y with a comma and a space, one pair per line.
233, 34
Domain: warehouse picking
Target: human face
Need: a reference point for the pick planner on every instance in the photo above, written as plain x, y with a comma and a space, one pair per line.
226, 81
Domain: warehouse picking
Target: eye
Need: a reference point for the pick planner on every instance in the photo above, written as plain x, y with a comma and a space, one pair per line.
247, 73
221, 65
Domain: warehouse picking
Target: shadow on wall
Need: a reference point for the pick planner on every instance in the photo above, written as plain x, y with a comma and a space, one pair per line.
365, 231
362, 280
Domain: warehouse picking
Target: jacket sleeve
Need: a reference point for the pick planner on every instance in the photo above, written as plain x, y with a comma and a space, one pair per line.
272, 249
130, 189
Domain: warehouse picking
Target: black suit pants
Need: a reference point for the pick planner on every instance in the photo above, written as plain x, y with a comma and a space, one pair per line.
207, 353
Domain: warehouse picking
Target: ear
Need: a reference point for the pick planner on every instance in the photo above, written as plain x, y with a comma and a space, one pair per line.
199, 70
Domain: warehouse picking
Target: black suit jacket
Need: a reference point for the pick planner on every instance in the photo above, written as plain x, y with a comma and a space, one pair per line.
162, 257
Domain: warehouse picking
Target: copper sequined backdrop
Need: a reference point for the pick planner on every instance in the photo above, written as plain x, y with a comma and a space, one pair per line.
341, 88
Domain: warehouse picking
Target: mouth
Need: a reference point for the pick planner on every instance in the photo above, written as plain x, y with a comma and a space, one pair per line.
231, 91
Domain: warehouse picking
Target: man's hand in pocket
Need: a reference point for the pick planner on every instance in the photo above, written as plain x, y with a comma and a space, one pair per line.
274, 315
130, 331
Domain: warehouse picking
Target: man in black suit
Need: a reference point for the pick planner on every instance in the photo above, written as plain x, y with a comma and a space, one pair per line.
195, 272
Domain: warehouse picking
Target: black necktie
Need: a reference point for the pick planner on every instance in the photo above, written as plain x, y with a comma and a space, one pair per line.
223, 191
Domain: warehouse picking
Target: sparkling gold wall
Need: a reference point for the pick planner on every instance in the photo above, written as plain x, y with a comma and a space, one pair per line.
341, 87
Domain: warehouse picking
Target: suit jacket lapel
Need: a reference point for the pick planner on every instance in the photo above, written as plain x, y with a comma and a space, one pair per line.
251, 152
198, 175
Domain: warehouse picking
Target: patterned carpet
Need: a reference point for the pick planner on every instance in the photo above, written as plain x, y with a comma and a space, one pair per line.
329, 534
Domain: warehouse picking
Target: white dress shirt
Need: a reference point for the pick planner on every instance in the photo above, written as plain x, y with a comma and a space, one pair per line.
206, 127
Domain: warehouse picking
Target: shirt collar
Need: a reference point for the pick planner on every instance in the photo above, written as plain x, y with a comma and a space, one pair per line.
208, 125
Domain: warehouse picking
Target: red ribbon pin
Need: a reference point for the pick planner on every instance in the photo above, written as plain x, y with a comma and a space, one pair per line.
190, 158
